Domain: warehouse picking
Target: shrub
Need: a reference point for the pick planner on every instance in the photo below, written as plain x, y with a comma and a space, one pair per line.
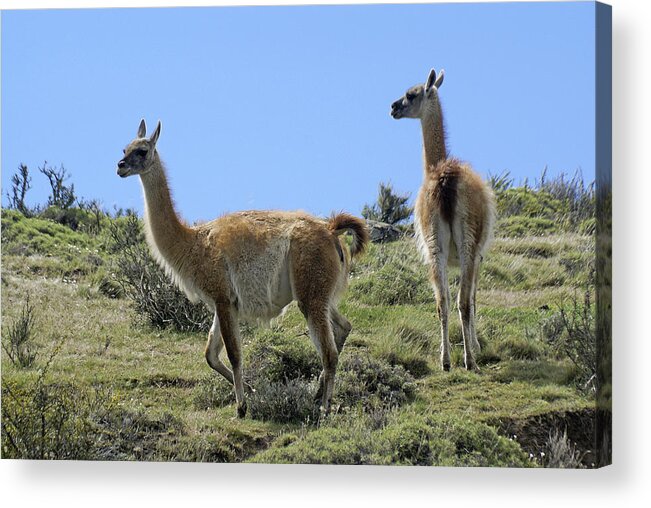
73, 218
280, 370
571, 332
390, 207
351, 444
61, 195
527, 202
577, 196
519, 226
110, 287
289, 401
47, 420
153, 294
277, 355
448, 441
476, 444
19, 345
284, 402
588, 226
366, 381
50, 421
42, 420
500, 183
551, 204
407, 439
287, 394
560, 452
413, 442
20, 184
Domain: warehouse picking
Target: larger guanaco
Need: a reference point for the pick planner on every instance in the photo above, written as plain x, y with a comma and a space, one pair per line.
250, 265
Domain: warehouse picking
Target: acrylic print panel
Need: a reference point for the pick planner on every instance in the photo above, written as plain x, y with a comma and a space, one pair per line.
414, 283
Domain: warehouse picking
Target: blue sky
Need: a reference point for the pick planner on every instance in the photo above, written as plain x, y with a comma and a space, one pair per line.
288, 107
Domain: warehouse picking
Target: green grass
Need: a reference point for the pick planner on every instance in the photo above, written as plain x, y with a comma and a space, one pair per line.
141, 393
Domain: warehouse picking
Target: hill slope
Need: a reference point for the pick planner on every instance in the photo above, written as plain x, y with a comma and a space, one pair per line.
107, 385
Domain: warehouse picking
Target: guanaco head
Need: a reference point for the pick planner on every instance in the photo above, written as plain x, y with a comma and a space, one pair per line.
415, 102
139, 154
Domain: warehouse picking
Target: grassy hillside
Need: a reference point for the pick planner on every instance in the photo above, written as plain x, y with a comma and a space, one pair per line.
104, 383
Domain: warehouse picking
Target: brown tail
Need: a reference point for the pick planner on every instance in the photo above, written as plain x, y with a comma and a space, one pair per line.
343, 222
446, 174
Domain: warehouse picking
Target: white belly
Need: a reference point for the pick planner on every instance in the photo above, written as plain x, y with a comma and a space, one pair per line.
262, 284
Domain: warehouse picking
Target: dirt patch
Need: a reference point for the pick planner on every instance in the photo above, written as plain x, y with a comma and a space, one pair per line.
533, 433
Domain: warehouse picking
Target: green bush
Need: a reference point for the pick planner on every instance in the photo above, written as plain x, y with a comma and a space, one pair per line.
73, 218
406, 440
365, 381
390, 207
291, 401
19, 346
277, 355
519, 226
280, 369
556, 204
351, 444
153, 294
527, 202
51, 420
571, 333
27, 236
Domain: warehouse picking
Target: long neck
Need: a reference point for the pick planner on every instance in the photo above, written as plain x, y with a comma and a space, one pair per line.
165, 232
434, 149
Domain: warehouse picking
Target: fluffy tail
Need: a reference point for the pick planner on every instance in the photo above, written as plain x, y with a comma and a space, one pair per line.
446, 174
343, 222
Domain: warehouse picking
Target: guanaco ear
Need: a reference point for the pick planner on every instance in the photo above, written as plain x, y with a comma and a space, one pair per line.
433, 80
142, 129
430, 80
154, 136
439, 80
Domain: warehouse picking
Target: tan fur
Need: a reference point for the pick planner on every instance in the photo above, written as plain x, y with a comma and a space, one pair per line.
454, 215
250, 266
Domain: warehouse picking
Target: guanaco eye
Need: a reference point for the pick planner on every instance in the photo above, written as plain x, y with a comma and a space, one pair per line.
141, 152
411, 96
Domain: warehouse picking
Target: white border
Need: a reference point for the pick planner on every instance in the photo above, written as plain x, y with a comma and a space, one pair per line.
626, 483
